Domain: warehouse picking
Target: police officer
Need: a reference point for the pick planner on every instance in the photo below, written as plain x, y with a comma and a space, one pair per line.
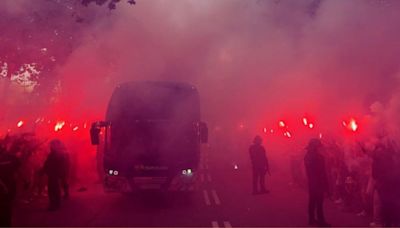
65, 172
9, 165
317, 182
259, 163
384, 173
55, 169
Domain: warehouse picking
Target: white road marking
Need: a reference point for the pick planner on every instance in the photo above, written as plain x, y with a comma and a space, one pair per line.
214, 224
209, 178
206, 198
216, 198
227, 224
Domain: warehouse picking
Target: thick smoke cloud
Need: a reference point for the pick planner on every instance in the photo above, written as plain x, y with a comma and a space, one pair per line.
253, 61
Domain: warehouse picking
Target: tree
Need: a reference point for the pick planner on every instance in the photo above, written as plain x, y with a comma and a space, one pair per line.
42, 37
111, 3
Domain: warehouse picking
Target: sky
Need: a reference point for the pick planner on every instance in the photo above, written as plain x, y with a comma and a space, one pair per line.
253, 61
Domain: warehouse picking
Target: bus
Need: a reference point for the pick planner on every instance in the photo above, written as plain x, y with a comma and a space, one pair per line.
151, 136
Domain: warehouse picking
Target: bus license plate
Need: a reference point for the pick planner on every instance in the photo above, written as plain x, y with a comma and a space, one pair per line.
150, 186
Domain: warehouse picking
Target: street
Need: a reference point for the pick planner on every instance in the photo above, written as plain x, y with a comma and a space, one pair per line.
221, 198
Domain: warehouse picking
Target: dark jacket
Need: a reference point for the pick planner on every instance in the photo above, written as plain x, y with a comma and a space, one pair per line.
54, 166
384, 167
258, 157
9, 165
66, 163
316, 172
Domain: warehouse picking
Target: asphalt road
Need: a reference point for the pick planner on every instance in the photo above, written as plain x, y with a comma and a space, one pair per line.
221, 198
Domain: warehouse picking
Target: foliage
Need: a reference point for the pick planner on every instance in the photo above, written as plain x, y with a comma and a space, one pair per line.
111, 3
42, 37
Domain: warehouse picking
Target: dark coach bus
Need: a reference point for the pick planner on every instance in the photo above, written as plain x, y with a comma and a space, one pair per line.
151, 136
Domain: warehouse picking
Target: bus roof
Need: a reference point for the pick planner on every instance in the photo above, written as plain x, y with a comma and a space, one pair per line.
170, 84
153, 100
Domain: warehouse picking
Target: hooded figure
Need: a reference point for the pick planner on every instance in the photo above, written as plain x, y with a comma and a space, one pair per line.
384, 172
56, 167
9, 165
317, 181
259, 163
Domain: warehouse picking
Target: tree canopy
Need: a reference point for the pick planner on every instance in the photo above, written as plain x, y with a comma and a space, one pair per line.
110, 3
42, 36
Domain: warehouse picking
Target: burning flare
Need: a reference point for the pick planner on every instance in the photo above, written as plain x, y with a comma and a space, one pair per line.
305, 121
352, 125
20, 123
287, 134
59, 125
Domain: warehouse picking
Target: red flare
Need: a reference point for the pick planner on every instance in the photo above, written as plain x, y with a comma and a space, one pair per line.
59, 125
353, 125
287, 134
305, 121
20, 123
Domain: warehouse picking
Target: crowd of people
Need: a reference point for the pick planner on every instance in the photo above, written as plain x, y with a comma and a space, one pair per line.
363, 177
25, 164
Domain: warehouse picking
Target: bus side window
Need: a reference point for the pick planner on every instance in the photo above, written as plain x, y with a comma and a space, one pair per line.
95, 134
203, 132
107, 138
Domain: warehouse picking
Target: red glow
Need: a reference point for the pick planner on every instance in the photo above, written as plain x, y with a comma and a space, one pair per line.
308, 123
305, 121
20, 123
59, 125
353, 125
287, 134
265, 130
